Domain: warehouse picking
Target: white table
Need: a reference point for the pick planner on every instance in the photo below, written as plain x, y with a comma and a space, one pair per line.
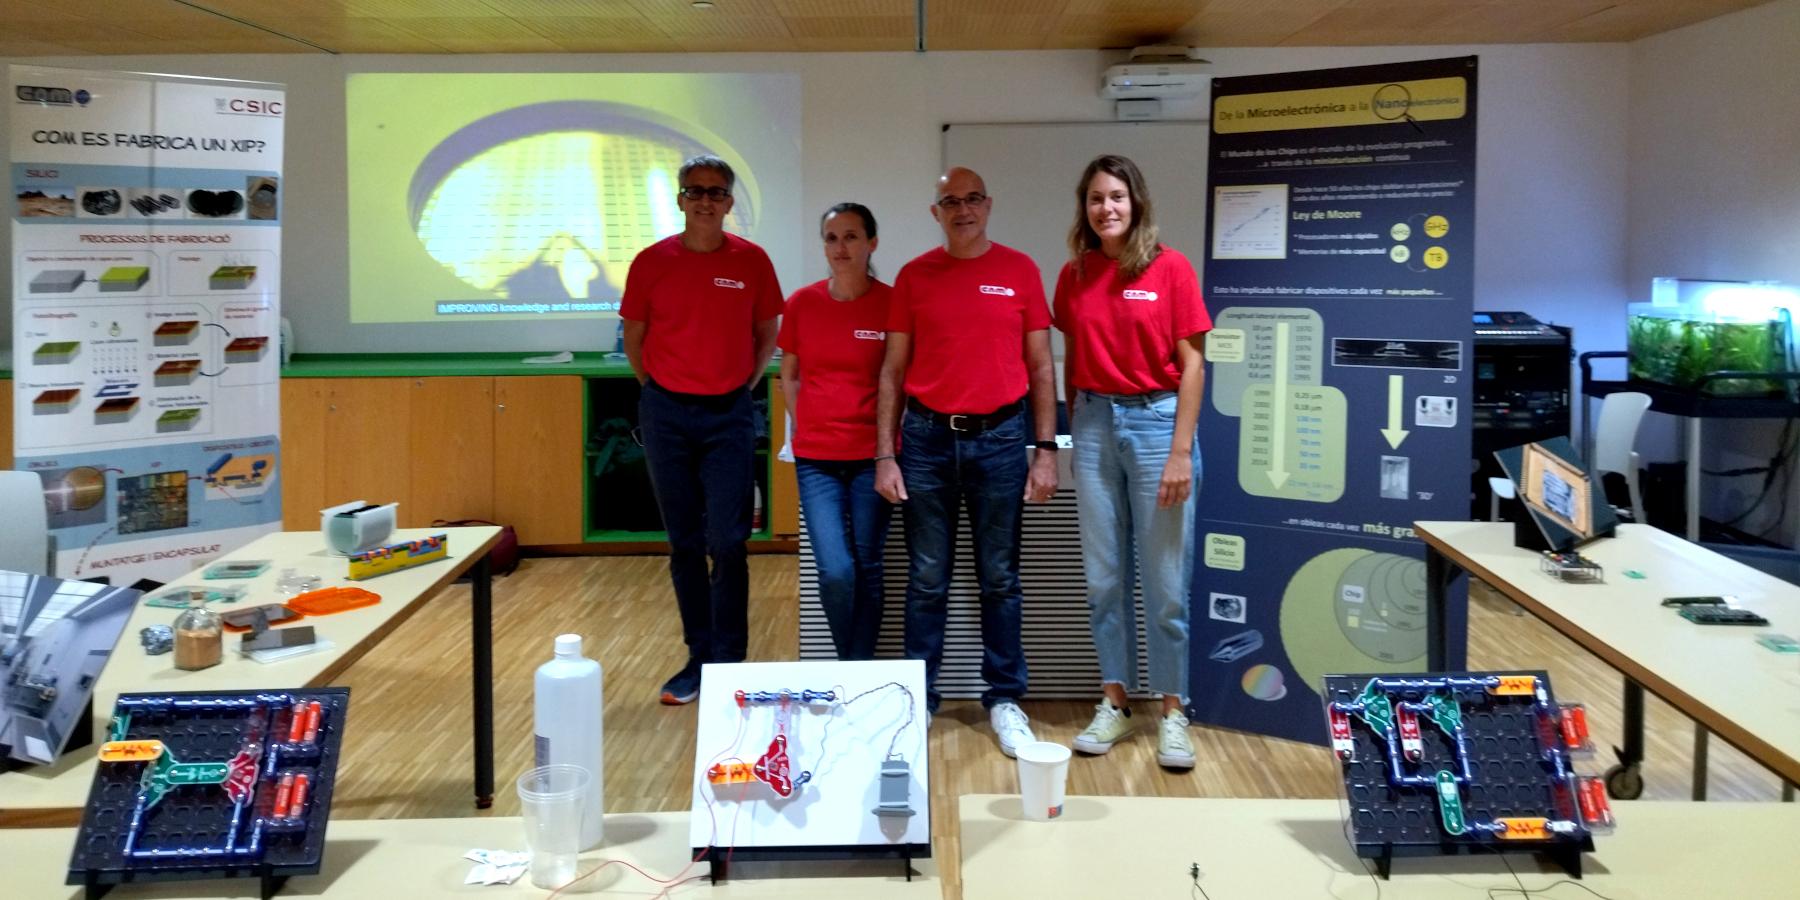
1141, 847
47, 795
423, 858
1718, 676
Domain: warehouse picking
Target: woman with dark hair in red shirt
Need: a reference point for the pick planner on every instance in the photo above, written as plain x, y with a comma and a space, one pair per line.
833, 339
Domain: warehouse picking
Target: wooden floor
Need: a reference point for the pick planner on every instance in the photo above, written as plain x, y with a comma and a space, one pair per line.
408, 748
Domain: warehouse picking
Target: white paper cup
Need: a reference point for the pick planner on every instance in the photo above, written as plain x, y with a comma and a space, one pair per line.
1043, 776
553, 799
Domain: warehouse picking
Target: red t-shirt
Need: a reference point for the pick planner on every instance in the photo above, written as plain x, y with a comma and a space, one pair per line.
839, 345
1122, 336
968, 319
702, 309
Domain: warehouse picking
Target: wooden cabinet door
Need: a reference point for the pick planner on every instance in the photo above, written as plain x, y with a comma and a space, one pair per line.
303, 417
366, 430
538, 447
450, 450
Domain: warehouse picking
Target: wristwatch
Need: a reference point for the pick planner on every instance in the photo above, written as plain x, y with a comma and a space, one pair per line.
1046, 445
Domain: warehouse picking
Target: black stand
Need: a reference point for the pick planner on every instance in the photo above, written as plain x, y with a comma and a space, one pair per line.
481, 610
93, 889
1566, 855
719, 867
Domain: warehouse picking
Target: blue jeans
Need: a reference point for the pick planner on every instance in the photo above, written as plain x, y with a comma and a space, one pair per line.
1121, 443
945, 469
847, 523
701, 451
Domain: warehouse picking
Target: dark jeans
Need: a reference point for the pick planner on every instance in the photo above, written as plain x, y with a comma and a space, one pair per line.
847, 523
701, 452
945, 469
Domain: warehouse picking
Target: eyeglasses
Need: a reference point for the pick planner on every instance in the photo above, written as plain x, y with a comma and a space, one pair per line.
711, 193
952, 202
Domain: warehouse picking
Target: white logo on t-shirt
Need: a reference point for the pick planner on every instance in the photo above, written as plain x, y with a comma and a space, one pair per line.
866, 335
996, 289
1140, 295
726, 282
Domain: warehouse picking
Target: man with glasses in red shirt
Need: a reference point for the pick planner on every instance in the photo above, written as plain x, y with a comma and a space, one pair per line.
968, 341
699, 315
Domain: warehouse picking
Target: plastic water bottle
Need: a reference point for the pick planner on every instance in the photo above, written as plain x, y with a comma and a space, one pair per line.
567, 715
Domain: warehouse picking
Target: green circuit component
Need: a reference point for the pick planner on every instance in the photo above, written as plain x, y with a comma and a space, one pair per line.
121, 724
1377, 709
1445, 712
1450, 803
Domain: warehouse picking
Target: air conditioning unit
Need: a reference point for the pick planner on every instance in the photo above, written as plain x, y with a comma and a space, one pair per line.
1157, 72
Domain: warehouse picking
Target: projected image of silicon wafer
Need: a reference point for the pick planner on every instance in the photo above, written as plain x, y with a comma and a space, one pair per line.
551, 201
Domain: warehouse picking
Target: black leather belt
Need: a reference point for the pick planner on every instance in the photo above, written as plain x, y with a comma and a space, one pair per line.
964, 423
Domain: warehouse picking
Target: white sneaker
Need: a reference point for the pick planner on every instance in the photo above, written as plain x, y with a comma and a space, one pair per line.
1011, 726
1173, 748
1111, 724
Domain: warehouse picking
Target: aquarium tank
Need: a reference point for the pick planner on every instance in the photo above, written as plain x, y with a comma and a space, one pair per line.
1694, 328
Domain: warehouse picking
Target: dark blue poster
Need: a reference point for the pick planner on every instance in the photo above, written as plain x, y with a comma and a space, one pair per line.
1339, 271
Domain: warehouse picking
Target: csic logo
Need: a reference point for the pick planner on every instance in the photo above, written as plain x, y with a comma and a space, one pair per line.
728, 283
241, 106
1141, 295
997, 290
51, 96
866, 335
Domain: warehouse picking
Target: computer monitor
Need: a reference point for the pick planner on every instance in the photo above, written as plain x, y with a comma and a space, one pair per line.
1562, 498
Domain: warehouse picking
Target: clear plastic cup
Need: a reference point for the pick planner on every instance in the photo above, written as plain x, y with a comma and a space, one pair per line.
553, 799
1043, 777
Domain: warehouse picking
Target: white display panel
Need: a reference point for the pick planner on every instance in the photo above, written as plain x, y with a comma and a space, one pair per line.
839, 745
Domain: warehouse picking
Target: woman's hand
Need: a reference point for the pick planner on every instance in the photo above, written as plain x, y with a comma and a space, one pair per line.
1177, 481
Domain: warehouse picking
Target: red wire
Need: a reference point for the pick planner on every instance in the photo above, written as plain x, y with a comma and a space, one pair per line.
682, 877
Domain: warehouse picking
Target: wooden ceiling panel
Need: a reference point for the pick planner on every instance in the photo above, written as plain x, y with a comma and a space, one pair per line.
855, 44
1641, 18
618, 30
423, 9
790, 9
860, 27
353, 35
52, 27
1251, 23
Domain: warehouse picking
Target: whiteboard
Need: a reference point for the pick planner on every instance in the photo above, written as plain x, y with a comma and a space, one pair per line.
1031, 169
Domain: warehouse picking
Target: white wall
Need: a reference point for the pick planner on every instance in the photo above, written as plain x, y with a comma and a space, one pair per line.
1714, 192
1550, 203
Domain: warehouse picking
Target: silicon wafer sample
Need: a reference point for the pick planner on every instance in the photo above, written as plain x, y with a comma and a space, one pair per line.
124, 278
177, 420
56, 353
177, 373
246, 349
176, 334
55, 402
231, 278
57, 281
116, 411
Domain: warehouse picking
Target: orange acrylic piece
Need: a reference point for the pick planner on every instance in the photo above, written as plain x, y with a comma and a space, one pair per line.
1511, 685
325, 601
130, 751
731, 773
1525, 829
